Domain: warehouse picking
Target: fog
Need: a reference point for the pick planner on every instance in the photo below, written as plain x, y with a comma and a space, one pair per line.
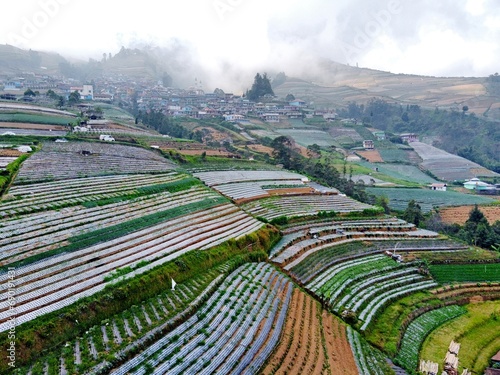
224, 42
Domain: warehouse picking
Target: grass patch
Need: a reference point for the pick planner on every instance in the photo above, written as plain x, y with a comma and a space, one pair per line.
476, 331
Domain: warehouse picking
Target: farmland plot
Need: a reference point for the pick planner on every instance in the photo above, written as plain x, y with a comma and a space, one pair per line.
135, 238
56, 161
447, 166
302, 205
404, 172
233, 332
124, 333
307, 137
313, 342
446, 273
427, 199
418, 330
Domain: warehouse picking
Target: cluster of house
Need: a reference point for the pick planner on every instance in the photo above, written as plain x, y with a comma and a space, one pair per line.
482, 187
146, 95
195, 103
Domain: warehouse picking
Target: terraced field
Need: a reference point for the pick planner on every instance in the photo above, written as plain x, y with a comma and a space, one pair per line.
59, 161
427, 199
72, 237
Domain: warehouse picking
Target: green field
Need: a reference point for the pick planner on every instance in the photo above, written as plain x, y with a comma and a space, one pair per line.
306, 137
445, 273
477, 333
427, 199
393, 155
35, 119
404, 172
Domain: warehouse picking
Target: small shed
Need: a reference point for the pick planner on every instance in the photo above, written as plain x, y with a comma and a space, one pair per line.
438, 187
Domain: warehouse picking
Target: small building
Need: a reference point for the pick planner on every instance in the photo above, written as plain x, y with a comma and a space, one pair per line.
438, 187
476, 184
409, 137
380, 135
271, 117
368, 144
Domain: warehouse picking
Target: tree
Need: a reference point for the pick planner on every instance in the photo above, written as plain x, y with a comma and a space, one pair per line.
29, 92
383, 202
60, 101
74, 98
290, 97
413, 213
261, 86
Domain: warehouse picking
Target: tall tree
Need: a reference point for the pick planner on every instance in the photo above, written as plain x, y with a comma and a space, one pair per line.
261, 86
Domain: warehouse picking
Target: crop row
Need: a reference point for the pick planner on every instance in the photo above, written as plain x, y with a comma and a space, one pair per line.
302, 205
444, 273
51, 230
38, 197
59, 281
57, 161
229, 332
417, 331
125, 332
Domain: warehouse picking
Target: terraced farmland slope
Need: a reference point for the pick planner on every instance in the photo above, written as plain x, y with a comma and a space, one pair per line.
69, 239
233, 332
57, 161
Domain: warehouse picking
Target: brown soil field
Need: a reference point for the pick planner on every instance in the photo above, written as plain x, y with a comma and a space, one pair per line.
313, 342
10, 153
459, 215
373, 156
261, 148
285, 191
216, 135
221, 153
23, 125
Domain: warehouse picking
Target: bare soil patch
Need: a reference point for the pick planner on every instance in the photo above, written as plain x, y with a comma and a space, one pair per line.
10, 153
459, 215
24, 125
313, 342
261, 148
373, 156
285, 191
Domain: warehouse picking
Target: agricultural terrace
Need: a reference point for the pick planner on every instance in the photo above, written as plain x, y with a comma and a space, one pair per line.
403, 172
417, 331
302, 205
216, 178
124, 333
308, 137
331, 240
313, 342
450, 273
426, 198
477, 333
243, 186
363, 286
62, 256
59, 161
446, 166
459, 215
235, 331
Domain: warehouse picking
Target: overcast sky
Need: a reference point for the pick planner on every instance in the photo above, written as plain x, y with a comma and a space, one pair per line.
430, 37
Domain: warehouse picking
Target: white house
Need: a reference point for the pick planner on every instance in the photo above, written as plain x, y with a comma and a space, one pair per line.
438, 187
